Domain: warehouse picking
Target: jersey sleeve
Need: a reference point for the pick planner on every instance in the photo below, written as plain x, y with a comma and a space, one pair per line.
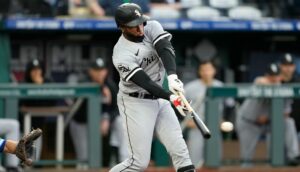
156, 32
2, 144
126, 65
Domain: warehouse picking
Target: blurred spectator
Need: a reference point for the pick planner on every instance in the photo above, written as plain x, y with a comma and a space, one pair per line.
196, 92
110, 120
10, 128
288, 75
35, 74
85, 8
253, 120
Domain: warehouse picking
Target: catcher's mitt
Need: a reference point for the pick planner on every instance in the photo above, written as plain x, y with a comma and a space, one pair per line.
24, 148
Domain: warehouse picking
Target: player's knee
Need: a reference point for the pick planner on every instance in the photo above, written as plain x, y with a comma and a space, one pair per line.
142, 165
189, 168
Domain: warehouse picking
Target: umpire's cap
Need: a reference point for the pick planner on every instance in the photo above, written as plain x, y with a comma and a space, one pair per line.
287, 59
130, 14
273, 69
98, 63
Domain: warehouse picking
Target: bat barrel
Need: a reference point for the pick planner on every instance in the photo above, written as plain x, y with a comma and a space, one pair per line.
201, 126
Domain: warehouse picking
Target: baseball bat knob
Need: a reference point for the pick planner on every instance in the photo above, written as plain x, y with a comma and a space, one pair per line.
207, 135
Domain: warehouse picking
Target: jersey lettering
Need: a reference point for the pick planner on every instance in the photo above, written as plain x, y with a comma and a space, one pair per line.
148, 60
123, 68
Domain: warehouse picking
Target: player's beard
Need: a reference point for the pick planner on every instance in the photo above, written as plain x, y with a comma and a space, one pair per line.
134, 38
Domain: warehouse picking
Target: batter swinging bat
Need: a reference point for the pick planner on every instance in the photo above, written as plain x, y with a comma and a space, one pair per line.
199, 123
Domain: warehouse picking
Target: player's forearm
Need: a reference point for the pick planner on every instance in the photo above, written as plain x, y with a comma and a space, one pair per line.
141, 79
10, 146
166, 52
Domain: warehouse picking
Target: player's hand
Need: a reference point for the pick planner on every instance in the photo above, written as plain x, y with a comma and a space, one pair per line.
105, 124
175, 85
262, 120
178, 103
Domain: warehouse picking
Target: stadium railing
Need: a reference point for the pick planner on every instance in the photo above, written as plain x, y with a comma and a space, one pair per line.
12, 92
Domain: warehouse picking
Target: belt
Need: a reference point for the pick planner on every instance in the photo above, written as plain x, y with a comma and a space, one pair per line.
142, 95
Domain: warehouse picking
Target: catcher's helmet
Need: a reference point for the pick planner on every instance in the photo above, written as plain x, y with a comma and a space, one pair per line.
130, 14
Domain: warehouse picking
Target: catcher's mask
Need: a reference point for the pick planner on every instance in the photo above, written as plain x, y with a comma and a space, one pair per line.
130, 15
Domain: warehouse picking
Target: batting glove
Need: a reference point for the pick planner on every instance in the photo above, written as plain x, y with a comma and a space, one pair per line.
175, 85
179, 105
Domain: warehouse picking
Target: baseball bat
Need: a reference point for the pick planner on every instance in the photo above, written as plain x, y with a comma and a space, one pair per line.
199, 123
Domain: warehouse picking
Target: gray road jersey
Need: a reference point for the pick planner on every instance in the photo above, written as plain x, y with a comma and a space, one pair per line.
196, 92
130, 57
252, 108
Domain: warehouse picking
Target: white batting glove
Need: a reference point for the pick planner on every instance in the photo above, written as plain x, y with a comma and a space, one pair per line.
175, 85
177, 102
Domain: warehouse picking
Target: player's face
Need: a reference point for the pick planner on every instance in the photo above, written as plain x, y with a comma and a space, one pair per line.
136, 31
36, 74
207, 71
287, 70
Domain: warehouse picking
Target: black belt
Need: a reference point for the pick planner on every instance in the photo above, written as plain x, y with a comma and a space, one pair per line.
142, 96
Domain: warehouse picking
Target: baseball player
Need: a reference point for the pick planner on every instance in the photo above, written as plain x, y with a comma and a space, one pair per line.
142, 56
110, 120
253, 120
196, 91
288, 74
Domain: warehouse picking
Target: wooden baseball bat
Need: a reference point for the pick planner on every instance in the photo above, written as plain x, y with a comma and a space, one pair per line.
199, 123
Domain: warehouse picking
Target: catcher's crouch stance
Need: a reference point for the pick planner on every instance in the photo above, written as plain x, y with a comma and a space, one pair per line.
23, 148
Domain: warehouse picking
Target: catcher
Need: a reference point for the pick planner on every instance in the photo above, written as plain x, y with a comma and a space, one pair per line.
22, 149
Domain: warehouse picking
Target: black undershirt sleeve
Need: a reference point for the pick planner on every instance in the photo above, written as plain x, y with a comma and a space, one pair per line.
166, 52
141, 79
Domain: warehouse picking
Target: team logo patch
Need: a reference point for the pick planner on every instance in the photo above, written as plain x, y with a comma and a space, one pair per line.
137, 13
123, 68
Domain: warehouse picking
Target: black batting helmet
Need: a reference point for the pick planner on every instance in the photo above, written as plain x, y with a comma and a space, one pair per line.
130, 14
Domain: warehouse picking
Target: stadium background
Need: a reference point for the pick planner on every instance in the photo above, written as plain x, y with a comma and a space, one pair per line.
67, 45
